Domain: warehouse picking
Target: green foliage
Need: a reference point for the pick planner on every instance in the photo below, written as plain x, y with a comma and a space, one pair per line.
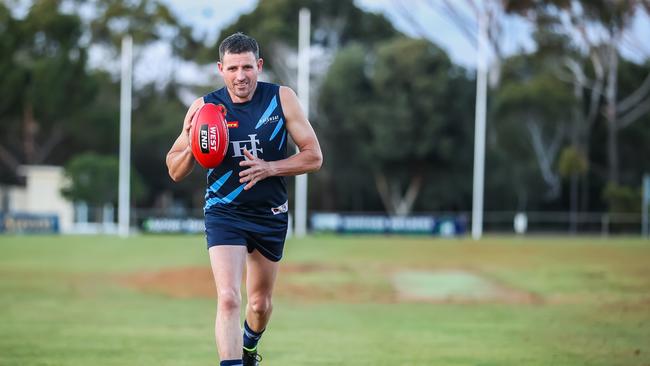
346, 100
10, 78
146, 21
411, 82
572, 161
531, 101
388, 105
45, 80
333, 21
622, 198
611, 14
94, 178
334, 24
403, 109
157, 121
46, 92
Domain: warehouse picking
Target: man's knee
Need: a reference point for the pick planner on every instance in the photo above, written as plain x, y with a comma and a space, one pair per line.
229, 300
260, 304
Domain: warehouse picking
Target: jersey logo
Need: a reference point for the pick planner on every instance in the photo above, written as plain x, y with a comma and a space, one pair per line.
272, 119
251, 145
208, 138
233, 124
280, 209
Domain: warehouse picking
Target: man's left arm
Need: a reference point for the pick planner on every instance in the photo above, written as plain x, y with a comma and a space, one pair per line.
308, 159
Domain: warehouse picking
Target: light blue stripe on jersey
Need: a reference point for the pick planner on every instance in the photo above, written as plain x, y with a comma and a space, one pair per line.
216, 185
232, 195
211, 202
226, 200
284, 135
277, 129
272, 105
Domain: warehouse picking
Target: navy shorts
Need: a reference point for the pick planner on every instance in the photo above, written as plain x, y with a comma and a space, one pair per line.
267, 236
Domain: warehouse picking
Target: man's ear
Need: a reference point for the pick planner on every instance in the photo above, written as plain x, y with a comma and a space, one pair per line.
260, 63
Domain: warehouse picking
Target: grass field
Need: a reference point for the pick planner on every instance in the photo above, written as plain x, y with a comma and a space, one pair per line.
148, 300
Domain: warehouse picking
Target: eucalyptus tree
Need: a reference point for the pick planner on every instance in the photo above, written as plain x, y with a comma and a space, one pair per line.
46, 88
599, 29
400, 115
533, 117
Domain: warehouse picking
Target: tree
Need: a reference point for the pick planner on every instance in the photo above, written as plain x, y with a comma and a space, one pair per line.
46, 87
93, 179
402, 110
465, 17
598, 27
59, 106
532, 102
274, 23
10, 82
334, 25
157, 106
157, 120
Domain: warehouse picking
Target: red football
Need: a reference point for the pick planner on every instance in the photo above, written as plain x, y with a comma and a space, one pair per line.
209, 135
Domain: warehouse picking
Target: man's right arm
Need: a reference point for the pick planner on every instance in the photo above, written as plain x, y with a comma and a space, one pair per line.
180, 160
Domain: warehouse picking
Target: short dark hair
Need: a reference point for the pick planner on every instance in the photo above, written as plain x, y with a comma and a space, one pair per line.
239, 43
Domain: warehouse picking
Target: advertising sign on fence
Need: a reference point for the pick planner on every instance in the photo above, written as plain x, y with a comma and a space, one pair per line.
336, 223
381, 224
170, 225
28, 223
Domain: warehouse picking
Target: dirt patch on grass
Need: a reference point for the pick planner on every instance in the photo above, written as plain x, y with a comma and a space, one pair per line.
198, 282
456, 286
317, 282
179, 282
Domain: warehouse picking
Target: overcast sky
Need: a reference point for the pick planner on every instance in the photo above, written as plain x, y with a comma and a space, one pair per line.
209, 16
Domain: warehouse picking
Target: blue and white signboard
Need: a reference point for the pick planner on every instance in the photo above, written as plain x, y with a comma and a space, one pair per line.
381, 224
28, 223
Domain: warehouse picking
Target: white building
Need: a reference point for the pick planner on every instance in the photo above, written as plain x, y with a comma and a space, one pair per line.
40, 195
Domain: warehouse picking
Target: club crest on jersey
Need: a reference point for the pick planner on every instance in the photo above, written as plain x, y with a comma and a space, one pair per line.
251, 145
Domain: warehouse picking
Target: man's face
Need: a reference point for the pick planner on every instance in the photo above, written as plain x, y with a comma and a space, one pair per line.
240, 71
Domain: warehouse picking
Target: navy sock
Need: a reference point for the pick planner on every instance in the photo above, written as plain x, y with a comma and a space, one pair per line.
231, 363
251, 337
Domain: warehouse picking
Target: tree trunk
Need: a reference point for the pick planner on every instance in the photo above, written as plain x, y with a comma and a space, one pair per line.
406, 203
611, 115
578, 122
546, 154
30, 127
584, 200
583, 122
54, 138
612, 150
384, 192
391, 196
9, 159
573, 225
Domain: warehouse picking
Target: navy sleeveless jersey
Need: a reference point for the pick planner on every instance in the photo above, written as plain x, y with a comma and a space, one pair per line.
259, 126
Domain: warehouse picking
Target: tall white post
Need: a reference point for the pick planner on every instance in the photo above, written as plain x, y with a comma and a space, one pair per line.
124, 206
479, 127
304, 20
